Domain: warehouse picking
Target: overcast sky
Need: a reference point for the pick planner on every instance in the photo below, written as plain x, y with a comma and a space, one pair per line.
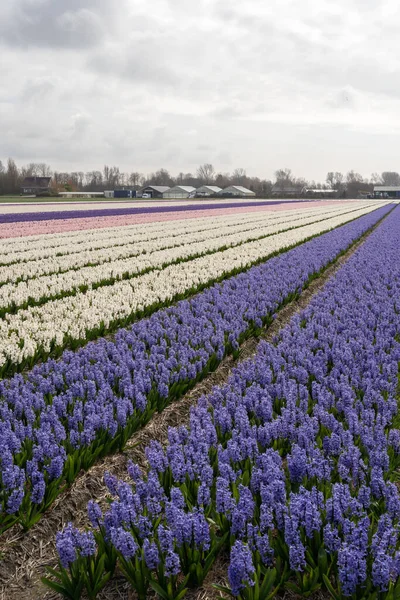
313, 85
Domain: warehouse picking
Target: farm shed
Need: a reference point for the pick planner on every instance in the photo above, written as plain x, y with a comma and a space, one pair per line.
327, 193
237, 190
155, 191
123, 194
35, 186
208, 190
387, 191
180, 191
285, 190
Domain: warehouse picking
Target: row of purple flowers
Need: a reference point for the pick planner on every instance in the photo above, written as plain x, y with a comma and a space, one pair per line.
63, 415
293, 464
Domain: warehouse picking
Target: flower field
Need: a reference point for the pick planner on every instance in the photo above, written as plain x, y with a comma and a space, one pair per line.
288, 473
43, 314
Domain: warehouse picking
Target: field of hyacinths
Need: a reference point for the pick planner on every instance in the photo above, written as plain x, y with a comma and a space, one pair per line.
290, 470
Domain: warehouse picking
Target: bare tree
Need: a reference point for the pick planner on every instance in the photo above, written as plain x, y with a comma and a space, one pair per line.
206, 173
161, 177
106, 175
284, 176
390, 178
43, 170
376, 179
29, 170
111, 176
265, 187
190, 179
11, 176
94, 180
81, 177
239, 177
354, 184
134, 178
335, 180
36, 170
223, 180
301, 183
2, 178
354, 177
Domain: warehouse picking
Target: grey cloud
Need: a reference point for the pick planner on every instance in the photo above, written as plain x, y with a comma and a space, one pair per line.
38, 89
151, 83
137, 63
55, 23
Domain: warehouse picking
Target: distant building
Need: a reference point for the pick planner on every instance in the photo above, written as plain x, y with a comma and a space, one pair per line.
320, 193
237, 190
109, 193
285, 190
208, 190
124, 194
180, 191
387, 191
35, 186
365, 195
154, 191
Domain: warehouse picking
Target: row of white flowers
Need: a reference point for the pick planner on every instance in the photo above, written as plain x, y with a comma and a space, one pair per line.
82, 235
145, 256
24, 333
49, 245
133, 250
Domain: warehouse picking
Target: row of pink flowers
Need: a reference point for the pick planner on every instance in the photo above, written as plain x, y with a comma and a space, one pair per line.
8, 230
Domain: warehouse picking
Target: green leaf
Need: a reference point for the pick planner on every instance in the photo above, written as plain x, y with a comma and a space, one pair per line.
53, 585
157, 588
102, 583
310, 559
199, 574
181, 594
293, 587
396, 592
330, 588
60, 589
223, 589
323, 560
268, 582
315, 577
256, 588
55, 573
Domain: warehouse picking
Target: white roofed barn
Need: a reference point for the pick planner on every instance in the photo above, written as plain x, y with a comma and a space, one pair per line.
180, 191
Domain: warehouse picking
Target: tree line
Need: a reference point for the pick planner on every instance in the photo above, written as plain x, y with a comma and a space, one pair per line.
111, 177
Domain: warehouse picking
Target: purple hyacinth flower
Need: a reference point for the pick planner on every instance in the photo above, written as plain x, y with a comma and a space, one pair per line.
241, 568
151, 554
124, 542
172, 564
94, 513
